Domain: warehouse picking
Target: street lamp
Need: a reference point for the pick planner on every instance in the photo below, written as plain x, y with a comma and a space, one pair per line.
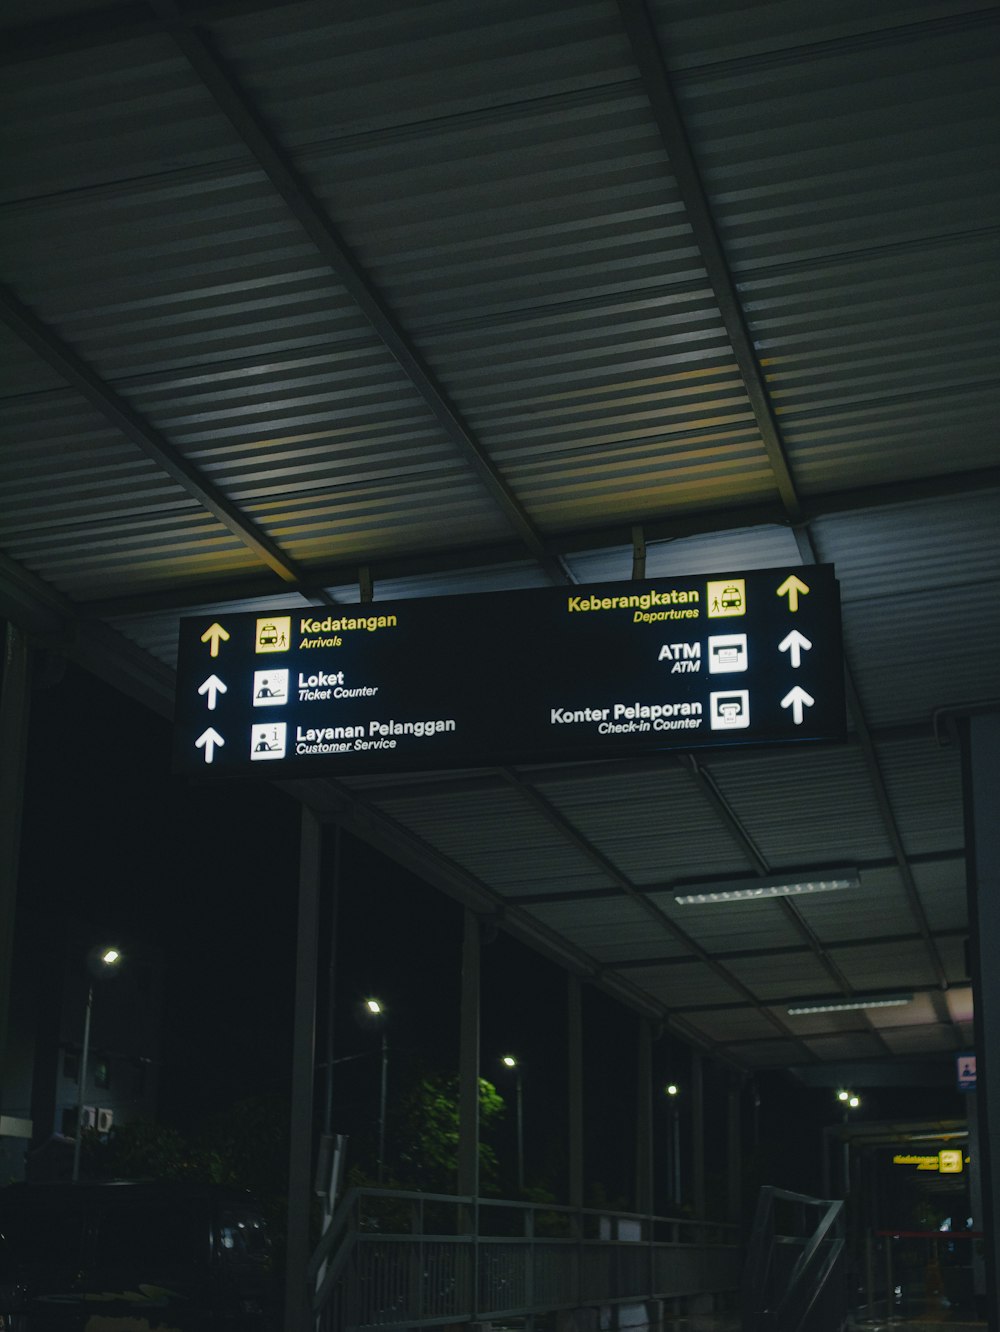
376, 1009
509, 1061
849, 1101
673, 1091
102, 963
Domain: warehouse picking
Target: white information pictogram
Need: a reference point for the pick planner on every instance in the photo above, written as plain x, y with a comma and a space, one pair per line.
730, 710
727, 653
270, 689
268, 741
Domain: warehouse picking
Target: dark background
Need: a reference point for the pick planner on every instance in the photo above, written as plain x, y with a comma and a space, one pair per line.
203, 875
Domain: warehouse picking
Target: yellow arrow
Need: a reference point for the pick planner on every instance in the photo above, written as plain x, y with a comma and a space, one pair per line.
216, 634
791, 588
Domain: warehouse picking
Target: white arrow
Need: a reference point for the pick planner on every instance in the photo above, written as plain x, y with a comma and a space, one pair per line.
796, 699
207, 741
794, 644
213, 687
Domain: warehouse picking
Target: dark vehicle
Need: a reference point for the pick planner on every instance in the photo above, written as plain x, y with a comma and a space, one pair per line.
132, 1257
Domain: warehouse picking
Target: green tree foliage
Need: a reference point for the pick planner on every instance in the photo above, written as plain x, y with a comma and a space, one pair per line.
423, 1150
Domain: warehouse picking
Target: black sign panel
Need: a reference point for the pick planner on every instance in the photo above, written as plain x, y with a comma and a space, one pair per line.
604, 671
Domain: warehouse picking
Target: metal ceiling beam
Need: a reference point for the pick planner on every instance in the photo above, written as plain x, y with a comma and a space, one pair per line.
707, 784
123, 416
873, 769
351, 812
566, 544
245, 119
572, 834
646, 51
645, 45
55, 623
788, 950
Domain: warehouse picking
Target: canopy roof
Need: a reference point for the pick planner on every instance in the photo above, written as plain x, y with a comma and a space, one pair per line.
437, 297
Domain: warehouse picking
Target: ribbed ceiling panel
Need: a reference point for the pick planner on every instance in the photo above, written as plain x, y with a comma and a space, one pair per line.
800, 172
609, 929
732, 1024
180, 261
880, 901
72, 124
944, 894
948, 633
499, 838
498, 173
581, 190
618, 410
933, 548
665, 837
781, 977
360, 68
85, 510
882, 357
684, 985
870, 967
846, 1048
924, 782
694, 35
725, 927
794, 798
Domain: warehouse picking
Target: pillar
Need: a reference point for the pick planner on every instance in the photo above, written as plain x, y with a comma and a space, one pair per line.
298, 1313
14, 699
982, 840
574, 1044
644, 1121
468, 1061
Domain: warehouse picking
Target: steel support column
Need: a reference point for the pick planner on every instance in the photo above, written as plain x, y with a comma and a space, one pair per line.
697, 1134
574, 1044
468, 1061
14, 699
734, 1149
982, 813
298, 1315
644, 1121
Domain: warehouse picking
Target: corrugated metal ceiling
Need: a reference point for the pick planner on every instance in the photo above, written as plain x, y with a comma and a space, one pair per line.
459, 298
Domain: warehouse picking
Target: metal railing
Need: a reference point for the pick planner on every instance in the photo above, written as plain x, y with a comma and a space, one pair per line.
391, 1259
795, 1278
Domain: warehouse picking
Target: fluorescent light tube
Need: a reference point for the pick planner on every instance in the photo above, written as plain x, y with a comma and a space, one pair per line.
842, 1005
787, 885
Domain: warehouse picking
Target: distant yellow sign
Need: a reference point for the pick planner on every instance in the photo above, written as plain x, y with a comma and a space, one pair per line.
273, 635
948, 1161
728, 598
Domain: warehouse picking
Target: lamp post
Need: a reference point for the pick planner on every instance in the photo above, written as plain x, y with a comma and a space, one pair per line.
509, 1061
849, 1101
673, 1091
102, 961
377, 1010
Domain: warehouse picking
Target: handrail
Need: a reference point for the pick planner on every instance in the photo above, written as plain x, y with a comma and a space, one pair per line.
483, 1261
780, 1296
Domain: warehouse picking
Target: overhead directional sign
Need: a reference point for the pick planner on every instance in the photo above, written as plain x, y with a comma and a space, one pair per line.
604, 671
